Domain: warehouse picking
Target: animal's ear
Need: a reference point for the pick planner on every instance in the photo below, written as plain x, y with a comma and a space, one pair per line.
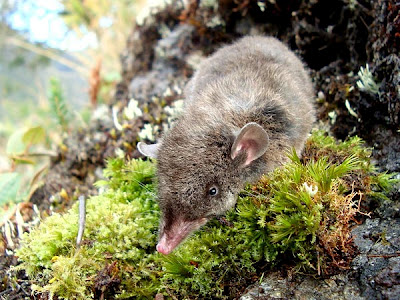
253, 140
148, 150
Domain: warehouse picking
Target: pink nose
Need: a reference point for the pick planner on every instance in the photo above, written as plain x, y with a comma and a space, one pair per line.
162, 249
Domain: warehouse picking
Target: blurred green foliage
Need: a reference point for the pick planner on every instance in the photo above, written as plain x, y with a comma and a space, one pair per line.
58, 105
10, 184
31, 144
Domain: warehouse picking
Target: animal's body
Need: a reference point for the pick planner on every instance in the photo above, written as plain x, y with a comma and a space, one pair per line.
245, 107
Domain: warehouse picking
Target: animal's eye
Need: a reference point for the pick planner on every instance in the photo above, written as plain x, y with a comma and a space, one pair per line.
213, 191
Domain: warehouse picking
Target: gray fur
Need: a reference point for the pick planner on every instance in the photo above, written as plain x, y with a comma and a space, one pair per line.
255, 80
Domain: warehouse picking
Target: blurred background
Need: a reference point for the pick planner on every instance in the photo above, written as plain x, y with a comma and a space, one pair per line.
58, 60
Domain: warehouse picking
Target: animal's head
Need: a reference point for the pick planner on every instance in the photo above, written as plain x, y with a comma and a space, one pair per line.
199, 175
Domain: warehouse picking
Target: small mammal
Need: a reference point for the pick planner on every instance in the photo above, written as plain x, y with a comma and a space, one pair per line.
247, 104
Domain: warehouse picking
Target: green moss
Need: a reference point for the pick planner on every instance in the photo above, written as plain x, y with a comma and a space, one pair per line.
121, 227
300, 215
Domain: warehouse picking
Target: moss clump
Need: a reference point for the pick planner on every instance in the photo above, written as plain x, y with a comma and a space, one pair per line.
121, 229
301, 215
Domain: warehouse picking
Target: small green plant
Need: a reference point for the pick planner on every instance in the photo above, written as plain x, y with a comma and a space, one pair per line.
22, 150
58, 104
300, 215
10, 184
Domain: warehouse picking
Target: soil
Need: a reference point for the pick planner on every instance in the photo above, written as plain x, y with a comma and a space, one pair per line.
335, 38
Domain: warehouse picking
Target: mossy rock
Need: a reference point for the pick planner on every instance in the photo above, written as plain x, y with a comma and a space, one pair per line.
299, 215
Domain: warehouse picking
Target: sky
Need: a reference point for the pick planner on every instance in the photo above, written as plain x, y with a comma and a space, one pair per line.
40, 21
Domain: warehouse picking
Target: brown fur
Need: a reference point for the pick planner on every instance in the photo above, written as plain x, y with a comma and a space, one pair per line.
256, 79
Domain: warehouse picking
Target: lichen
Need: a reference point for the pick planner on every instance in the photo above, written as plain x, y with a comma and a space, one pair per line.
132, 110
173, 112
367, 82
209, 4
117, 124
147, 132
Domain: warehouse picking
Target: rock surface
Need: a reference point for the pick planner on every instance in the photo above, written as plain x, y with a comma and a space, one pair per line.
275, 286
378, 264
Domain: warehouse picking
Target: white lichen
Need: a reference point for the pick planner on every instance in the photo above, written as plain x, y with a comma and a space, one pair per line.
321, 97
175, 110
117, 125
261, 5
350, 110
177, 89
147, 132
367, 82
310, 189
167, 92
215, 21
332, 115
119, 153
352, 4
9, 233
194, 59
132, 110
102, 112
209, 4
